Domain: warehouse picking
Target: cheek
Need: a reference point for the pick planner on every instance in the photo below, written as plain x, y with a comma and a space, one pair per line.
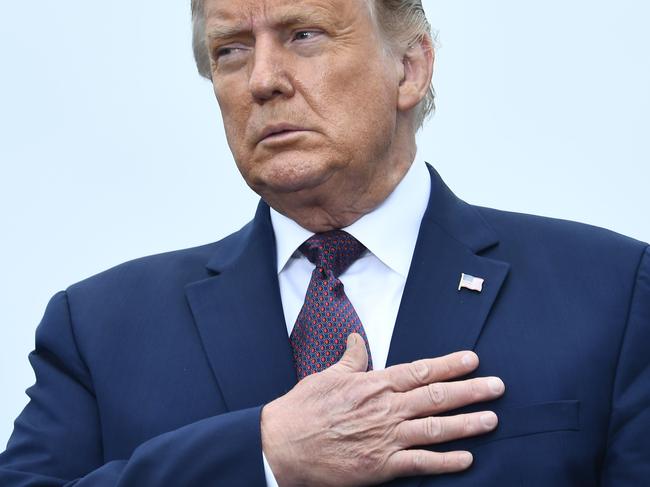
361, 104
234, 113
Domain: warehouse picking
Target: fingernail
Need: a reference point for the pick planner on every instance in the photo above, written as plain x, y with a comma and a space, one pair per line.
496, 385
465, 459
469, 360
352, 339
489, 420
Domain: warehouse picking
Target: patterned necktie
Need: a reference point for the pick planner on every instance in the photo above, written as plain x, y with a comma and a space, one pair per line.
327, 317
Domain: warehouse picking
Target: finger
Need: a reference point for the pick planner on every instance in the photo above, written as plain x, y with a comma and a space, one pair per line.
355, 357
438, 429
407, 463
444, 396
405, 377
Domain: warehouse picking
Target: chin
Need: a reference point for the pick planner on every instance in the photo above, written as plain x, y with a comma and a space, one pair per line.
289, 174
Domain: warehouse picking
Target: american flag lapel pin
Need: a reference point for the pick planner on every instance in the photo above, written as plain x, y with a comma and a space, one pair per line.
470, 282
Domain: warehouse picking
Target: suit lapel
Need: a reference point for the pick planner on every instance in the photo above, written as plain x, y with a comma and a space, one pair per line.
239, 314
435, 318
240, 319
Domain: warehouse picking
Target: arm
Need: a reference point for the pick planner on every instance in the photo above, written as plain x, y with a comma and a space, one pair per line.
57, 438
627, 461
311, 435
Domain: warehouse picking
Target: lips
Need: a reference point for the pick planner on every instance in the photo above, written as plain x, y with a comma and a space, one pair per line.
276, 130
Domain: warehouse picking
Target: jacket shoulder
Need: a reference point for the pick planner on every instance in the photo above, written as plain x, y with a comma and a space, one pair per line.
528, 229
168, 265
564, 249
159, 271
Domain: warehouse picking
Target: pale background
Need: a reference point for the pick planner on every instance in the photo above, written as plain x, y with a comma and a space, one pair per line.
111, 146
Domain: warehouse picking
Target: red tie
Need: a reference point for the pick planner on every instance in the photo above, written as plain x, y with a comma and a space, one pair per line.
327, 317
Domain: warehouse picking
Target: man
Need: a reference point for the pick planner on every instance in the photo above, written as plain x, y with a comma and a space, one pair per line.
184, 368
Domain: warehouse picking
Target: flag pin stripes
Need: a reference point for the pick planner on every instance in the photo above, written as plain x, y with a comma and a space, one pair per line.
470, 282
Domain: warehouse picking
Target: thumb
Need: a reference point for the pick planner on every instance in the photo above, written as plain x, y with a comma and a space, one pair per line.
355, 357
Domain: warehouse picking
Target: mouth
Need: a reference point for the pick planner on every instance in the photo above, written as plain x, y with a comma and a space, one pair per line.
280, 132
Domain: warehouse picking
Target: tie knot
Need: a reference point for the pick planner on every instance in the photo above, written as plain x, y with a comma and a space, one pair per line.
335, 250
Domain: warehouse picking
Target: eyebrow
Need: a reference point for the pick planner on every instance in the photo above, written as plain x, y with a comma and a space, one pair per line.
224, 32
287, 19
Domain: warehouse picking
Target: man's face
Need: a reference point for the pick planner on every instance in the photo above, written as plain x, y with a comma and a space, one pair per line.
307, 93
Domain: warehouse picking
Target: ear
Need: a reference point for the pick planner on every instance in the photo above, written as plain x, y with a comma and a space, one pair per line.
417, 70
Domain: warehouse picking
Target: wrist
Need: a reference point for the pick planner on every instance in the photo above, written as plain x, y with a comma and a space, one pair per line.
276, 448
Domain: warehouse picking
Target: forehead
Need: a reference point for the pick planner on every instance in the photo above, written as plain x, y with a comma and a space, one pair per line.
252, 14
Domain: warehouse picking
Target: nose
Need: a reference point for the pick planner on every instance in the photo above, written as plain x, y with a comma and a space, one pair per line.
269, 77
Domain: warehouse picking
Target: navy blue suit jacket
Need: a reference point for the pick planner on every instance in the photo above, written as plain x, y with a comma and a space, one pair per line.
154, 372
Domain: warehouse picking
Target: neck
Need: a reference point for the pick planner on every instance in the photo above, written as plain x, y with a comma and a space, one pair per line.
342, 202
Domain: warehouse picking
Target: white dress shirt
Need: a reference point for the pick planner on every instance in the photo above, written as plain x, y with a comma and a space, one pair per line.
374, 283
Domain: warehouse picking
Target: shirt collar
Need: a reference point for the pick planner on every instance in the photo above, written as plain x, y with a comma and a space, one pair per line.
390, 231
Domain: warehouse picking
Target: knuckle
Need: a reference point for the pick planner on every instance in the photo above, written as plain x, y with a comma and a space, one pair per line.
443, 462
418, 463
448, 367
366, 461
445, 367
468, 425
437, 394
378, 383
378, 406
476, 389
419, 371
434, 428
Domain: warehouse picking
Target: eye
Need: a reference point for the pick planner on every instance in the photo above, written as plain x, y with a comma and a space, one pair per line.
305, 35
224, 51
229, 57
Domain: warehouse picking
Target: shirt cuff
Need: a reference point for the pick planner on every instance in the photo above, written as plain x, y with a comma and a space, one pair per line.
270, 478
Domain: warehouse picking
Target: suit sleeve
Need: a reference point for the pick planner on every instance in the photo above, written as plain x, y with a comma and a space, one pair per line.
57, 439
627, 461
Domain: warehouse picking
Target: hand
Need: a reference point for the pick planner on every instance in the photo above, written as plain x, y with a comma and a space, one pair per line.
347, 427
